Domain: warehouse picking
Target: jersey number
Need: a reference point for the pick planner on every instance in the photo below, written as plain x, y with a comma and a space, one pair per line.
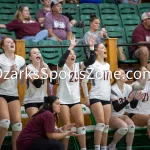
121, 100
72, 79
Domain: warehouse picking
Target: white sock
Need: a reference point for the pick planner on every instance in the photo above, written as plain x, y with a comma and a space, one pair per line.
97, 147
129, 147
103, 147
112, 145
83, 149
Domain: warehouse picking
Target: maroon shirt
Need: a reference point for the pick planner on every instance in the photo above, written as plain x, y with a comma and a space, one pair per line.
140, 34
37, 127
42, 13
23, 29
60, 26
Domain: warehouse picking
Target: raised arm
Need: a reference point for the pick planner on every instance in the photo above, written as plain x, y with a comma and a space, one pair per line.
92, 57
62, 60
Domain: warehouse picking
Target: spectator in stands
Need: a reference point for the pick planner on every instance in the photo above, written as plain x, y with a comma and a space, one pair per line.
121, 95
141, 114
43, 12
25, 27
40, 132
94, 31
10, 65
136, 2
37, 82
57, 24
142, 34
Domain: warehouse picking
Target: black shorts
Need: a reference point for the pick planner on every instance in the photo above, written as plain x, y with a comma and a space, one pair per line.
44, 144
94, 100
37, 105
71, 105
9, 98
131, 115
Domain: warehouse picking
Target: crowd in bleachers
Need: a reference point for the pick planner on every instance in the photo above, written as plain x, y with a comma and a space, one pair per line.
52, 23
116, 19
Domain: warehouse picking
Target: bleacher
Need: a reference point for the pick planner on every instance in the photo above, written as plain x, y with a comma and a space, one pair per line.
120, 21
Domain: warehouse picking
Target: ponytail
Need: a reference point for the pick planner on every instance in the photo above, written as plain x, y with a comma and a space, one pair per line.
93, 17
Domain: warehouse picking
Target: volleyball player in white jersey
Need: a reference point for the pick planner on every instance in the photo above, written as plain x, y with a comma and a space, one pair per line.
69, 90
141, 114
36, 83
99, 96
10, 66
121, 95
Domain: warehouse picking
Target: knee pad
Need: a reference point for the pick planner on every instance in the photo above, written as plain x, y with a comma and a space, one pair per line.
81, 130
5, 123
122, 131
100, 127
131, 128
148, 122
17, 127
106, 129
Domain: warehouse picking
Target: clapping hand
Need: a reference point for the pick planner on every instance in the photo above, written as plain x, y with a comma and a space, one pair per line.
72, 133
132, 95
139, 95
42, 64
67, 126
13, 70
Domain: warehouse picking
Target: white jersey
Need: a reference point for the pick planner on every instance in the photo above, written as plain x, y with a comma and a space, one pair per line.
121, 96
33, 94
101, 87
9, 86
68, 90
143, 106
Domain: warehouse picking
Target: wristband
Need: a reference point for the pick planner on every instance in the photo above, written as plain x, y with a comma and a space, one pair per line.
92, 48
